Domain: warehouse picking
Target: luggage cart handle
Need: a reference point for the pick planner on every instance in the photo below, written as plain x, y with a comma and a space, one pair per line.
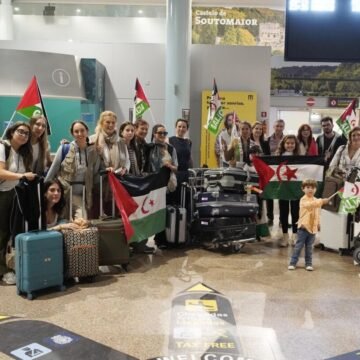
102, 174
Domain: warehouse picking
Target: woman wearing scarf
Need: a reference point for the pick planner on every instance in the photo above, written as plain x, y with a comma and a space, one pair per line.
114, 156
80, 164
161, 154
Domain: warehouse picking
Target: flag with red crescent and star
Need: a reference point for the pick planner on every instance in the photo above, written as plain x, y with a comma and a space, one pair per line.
280, 177
146, 196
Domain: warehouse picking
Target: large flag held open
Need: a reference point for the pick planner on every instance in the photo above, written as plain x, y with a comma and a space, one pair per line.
215, 113
141, 103
149, 193
31, 103
344, 121
280, 177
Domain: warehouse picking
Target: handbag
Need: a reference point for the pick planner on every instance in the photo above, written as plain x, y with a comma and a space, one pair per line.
172, 184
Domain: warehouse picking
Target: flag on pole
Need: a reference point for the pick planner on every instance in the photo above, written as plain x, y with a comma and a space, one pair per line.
149, 193
350, 198
345, 119
215, 113
31, 104
141, 103
281, 177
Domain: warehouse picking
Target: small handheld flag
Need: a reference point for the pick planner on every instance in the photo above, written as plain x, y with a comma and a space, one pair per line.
215, 113
141, 103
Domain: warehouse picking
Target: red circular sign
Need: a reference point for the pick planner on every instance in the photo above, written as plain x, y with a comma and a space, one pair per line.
310, 101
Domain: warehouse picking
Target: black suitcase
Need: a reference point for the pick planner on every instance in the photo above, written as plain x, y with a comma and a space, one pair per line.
224, 229
219, 204
229, 179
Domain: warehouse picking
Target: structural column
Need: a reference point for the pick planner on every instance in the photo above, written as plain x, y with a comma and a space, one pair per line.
6, 20
177, 76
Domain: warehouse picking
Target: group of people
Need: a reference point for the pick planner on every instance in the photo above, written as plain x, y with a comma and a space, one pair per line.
236, 144
25, 153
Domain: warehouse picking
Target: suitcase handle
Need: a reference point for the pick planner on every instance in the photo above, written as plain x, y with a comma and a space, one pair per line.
102, 215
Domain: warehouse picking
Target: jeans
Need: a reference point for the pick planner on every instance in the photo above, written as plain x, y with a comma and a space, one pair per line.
304, 238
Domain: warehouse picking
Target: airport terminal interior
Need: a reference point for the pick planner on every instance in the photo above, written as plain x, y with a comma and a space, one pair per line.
184, 302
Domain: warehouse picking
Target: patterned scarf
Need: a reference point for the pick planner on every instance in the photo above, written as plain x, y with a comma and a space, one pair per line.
108, 149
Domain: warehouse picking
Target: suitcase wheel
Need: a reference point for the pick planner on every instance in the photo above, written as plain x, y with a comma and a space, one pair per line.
18, 292
356, 255
89, 279
62, 288
235, 248
30, 296
125, 267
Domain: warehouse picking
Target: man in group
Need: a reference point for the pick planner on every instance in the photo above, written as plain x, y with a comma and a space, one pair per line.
329, 141
224, 138
274, 141
141, 131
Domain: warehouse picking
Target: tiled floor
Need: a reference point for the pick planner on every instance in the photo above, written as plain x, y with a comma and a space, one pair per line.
280, 314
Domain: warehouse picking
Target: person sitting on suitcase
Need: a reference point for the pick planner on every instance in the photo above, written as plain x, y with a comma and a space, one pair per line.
15, 163
308, 224
54, 200
80, 165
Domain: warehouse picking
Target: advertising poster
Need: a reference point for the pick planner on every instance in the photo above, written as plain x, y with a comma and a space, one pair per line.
243, 103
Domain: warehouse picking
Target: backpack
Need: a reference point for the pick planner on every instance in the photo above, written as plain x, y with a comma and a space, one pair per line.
64, 150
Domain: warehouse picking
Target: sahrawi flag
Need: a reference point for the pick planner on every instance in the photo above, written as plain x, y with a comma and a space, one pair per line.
31, 103
141, 103
345, 120
215, 113
149, 193
280, 177
350, 198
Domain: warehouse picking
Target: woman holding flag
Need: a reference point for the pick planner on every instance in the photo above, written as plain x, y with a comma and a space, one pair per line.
40, 145
347, 156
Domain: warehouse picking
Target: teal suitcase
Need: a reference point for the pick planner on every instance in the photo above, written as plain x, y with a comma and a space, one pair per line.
38, 261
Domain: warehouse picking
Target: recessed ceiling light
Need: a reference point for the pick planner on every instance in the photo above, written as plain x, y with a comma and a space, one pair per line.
70, 40
78, 11
140, 11
16, 8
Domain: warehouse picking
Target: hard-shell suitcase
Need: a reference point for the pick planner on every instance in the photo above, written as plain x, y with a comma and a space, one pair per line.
176, 221
39, 261
38, 253
81, 248
229, 179
113, 247
219, 204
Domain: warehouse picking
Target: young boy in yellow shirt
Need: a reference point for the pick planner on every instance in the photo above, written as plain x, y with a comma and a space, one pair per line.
308, 224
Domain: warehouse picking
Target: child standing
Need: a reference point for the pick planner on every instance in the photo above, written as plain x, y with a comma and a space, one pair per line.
308, 224
288, 146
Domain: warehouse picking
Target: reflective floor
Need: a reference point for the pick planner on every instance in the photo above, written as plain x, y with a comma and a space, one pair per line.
279, 314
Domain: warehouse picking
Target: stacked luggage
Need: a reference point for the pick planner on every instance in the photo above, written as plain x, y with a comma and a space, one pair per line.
223, 210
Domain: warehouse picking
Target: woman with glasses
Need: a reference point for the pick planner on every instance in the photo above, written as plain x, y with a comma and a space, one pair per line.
79, 165
40, 145
162, 154
15, 163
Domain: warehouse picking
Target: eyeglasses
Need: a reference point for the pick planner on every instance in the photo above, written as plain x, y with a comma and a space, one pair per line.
164, 133
22, 132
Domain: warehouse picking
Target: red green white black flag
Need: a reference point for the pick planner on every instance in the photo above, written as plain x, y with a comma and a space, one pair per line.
31, 103
141, 103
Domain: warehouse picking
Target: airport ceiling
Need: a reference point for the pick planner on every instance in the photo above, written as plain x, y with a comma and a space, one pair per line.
279, 4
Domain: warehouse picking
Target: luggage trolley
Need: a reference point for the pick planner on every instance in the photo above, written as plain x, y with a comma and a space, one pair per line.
222, 216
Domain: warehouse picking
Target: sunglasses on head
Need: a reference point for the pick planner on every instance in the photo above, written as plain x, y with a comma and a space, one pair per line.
164, 133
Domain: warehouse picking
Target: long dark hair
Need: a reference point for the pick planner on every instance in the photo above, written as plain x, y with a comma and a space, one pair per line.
300, 138
155, 129
122, 127
58, 207
84, 125
25, 151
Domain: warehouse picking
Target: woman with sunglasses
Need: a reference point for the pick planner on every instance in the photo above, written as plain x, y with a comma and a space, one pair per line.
40, 145
162, 154
80, 165
15, 163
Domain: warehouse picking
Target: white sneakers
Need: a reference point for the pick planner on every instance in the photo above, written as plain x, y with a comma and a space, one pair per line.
9, 278
308, 268
283, 242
